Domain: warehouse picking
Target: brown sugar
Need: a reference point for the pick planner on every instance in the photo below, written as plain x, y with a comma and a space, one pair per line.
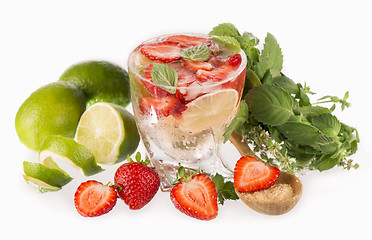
277, 192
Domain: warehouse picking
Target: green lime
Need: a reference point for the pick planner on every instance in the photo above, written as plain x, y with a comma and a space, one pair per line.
101, 81
67, 150
45, 178
109, 132
53, 109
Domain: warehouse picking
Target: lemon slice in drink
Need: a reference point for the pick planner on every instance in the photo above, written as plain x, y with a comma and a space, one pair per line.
67, 150
212, 110
109, 132
45, 178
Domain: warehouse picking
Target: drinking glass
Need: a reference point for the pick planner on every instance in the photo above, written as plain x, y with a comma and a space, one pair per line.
184, 124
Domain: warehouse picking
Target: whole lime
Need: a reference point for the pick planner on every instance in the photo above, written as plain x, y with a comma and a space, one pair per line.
101, 81
53, 109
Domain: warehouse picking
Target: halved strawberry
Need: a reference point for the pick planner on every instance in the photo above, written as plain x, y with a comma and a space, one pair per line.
252, 175
219, 74
196, 65
166, 51
93, 199
160, 106
189, 41
196, 197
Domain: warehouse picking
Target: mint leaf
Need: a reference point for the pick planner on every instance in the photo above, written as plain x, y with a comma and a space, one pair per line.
163, 76
270, 58
328, 124
238, 121
310, 111
225, 29
228, 45
326, 162
270, 104
287, 84
302, 133
197, 53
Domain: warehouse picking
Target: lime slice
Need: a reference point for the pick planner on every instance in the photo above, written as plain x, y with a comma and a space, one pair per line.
40, 186
53, 109
109, 132
213, 110
101, 81
68, 151
45, 178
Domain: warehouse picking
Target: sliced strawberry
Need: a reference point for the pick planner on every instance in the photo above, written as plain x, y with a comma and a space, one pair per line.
235, 60
196, 198
252, 175
159, 106
185, 77
166, 51
93, 199
189, 41
219, 74
194, 66
150, 86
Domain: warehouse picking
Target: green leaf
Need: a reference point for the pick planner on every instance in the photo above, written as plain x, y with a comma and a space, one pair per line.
225, 190
300, 133
251, 80
309, 111
163, 76
225, 29
270, 58
326, 162
197, 53
270, 104
228, 45
238, 121
328, 124
287, 84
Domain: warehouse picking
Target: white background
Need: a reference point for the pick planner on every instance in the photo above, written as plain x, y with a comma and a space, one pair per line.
326, 44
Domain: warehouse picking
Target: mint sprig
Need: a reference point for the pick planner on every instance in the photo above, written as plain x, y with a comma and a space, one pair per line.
165, 77
279, 120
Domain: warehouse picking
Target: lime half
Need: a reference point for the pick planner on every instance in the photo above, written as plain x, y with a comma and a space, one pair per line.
109, 132
68, 151
213, 110
45, 178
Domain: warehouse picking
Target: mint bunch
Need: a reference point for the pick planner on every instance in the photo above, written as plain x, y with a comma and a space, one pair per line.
277, 117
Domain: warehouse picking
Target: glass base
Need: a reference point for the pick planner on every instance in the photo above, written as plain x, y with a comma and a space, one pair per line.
168, 169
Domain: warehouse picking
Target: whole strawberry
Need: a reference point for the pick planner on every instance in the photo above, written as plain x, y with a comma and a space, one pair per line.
138, 182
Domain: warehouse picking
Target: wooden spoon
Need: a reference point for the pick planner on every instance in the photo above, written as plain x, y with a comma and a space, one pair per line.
274, 207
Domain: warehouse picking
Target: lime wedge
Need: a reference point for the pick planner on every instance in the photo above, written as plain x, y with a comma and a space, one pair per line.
213, 110
45, 178
68, 151
109, 132
40, 186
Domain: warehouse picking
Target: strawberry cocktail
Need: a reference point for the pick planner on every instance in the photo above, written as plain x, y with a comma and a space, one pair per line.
185, 91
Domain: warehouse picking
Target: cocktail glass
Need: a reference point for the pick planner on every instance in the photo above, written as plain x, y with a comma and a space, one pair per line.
184, 124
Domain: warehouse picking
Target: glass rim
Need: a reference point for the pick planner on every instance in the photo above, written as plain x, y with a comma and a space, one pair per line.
133, 71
